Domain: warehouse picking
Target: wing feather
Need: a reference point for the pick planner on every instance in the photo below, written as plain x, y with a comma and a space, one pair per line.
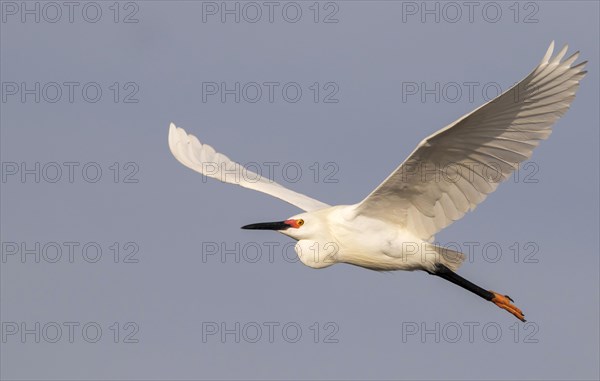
204, 159
453, 170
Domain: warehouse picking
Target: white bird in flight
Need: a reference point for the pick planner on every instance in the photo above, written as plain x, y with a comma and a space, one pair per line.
447, 175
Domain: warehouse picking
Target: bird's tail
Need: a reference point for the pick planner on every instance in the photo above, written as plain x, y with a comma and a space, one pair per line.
448, 257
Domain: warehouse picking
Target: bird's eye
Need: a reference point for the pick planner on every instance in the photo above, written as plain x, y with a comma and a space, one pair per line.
300, 222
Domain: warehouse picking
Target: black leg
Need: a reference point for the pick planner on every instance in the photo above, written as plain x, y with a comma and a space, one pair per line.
502, 301
444, 272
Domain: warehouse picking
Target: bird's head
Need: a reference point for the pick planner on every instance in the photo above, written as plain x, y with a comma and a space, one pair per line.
300, 226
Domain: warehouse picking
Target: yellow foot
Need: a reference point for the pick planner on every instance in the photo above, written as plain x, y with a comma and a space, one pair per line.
504, 302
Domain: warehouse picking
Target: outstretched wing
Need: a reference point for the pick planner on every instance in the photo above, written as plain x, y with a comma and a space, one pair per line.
453, 170
204, 159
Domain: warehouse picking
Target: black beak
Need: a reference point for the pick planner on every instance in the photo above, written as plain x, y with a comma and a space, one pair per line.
280, 225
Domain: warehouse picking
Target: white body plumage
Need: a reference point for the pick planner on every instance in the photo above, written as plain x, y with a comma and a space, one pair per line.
338, 234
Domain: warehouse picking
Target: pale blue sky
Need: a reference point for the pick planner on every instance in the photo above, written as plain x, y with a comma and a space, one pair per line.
174, 217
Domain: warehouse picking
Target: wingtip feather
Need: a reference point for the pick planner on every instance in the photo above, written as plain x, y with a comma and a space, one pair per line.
172, 138
559, 55
548, 53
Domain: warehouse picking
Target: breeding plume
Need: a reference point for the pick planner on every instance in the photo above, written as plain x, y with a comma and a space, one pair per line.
447, 175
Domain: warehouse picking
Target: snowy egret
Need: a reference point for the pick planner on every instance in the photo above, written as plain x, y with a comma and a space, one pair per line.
447, 175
